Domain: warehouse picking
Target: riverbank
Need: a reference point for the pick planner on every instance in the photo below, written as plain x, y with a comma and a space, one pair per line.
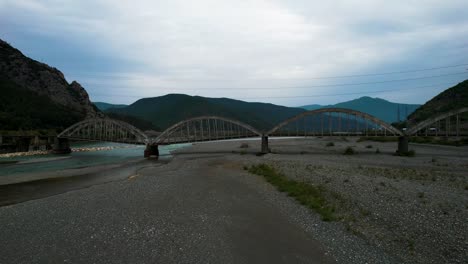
47, 152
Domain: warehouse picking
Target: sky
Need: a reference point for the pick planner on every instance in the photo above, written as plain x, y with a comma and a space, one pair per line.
292, 53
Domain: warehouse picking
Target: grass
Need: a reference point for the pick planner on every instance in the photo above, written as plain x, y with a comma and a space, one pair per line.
313, 197
349, 151
330, 144
411, 245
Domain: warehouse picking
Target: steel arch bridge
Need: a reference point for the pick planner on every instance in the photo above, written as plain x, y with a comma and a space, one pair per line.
105, 129
441, 125
333, 122
205, 128
320, 122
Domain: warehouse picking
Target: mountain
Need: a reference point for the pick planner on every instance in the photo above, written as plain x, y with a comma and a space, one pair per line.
380, 108
453, 98
312, 107
105, 106
37, 96
167, 110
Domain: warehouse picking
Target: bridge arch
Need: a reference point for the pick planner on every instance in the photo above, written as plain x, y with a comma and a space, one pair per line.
206, 128
327, 117
431, 121
104, 129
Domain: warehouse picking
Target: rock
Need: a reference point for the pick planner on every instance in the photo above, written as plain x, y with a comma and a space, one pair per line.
44, 80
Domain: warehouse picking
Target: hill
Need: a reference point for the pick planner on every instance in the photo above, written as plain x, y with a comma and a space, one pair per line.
37, 96
450, 99
166, 110
380, 108
106, 106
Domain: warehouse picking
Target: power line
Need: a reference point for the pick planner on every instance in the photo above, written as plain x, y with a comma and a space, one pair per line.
326, 95
301, 96
317, 86
310, 78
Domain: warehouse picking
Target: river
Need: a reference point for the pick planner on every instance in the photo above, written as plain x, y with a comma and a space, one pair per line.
51, 162
35, 177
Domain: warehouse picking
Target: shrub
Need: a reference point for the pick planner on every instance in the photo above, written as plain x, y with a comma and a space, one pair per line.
377, 151
244, 145
369, 146
330, 144
349, 151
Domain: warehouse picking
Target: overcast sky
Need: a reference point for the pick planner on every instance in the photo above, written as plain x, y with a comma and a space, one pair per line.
256, 50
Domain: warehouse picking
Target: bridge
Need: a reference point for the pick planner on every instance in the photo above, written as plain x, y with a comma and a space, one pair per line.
320, 122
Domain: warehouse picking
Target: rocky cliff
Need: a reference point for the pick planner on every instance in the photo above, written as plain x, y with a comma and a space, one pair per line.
44, 80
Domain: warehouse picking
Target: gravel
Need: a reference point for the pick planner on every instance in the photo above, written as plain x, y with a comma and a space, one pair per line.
203, 207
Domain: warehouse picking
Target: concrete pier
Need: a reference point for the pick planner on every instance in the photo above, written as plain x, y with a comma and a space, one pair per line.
403, 143
265, 148
151, 150
61, 146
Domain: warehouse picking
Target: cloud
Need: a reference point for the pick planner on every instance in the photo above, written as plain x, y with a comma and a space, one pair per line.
189, 46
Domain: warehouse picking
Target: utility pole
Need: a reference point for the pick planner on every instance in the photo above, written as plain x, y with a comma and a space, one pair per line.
398, 113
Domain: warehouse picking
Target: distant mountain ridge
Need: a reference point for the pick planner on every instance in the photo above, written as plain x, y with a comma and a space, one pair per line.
164, 111
105, 106
451, 99
36, 96
380, 108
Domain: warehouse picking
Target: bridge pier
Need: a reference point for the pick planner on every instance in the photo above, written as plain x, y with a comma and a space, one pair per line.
61, 146
265, 148
151, 150
403, 142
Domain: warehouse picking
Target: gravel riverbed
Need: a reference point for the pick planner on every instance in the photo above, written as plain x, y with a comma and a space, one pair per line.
405, 209
203, 206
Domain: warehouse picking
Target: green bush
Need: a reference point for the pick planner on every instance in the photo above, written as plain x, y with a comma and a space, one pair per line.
244, 145
349, 151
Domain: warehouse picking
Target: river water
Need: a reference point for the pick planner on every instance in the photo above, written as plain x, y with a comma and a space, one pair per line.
40, 176
51, 162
